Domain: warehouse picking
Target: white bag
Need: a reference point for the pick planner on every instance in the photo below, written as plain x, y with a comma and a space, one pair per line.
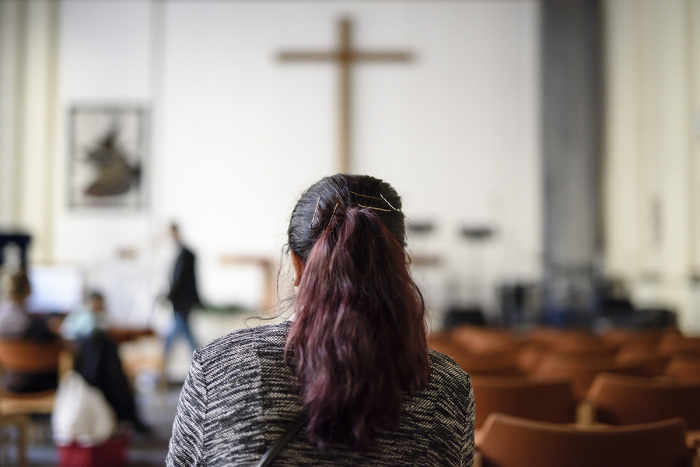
81, 413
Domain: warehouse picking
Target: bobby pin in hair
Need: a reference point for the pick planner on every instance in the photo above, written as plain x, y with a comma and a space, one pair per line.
372, 207
336, 207
315, 211
387, 202
365, 196
374, 197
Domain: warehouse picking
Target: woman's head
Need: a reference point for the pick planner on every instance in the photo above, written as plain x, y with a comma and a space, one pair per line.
315, 208
357, 343
16, 287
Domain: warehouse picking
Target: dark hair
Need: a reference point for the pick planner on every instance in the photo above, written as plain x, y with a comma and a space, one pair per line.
18, 286
95, 295
357, 342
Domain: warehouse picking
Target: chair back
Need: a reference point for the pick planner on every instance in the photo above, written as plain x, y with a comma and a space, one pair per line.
680, 345
626, 400
492, 363
632, 337
544, 400
684, 368
582, 369
648, 357
28, 356
515, 442
482, 340
553, 336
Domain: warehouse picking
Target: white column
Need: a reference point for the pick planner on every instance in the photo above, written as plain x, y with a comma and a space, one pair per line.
37, 130
12, 15
28, 57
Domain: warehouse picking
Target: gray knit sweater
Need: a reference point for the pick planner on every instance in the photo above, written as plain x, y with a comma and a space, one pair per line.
239, 397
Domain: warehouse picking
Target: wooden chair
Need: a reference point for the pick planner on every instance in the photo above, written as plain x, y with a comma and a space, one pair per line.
543, 400
493, 363
593, 347
571, 342
515, 442
683, 368
439, 338
687, 346
27, 356
678, 344
551, 336
481, 340
530, 356
582, 369
632, 337
646, 356
626, 400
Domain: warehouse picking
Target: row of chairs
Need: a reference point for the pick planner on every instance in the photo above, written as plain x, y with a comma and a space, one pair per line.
612, 399
480, 340
616, 408
574, 355
554, 397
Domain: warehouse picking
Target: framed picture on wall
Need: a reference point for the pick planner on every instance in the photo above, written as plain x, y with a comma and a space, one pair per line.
107, 156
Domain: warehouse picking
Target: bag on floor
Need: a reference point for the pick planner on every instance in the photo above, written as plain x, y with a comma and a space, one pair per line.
81, 413
111, 453
83, 424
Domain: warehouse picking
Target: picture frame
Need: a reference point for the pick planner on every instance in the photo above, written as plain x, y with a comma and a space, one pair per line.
107, 157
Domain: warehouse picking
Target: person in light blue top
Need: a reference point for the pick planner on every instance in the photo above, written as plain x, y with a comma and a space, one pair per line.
86, 319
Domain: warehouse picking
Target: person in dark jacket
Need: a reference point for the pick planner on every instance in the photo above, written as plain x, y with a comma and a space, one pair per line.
183, 292
17, 323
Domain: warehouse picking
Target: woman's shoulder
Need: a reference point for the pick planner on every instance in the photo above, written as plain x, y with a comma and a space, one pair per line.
444, 370
450, 386
242, 341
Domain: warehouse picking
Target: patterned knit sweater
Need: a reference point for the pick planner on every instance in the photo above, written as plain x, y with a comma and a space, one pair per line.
240, 396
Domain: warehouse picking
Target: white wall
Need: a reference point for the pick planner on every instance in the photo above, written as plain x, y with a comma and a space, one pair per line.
104, 57
237, 135
455, 131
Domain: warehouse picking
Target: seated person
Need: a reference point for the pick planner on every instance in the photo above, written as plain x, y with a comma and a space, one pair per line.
86, 319
97, 358
17, 323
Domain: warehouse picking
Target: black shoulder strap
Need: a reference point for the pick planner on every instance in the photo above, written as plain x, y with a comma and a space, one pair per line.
276, 448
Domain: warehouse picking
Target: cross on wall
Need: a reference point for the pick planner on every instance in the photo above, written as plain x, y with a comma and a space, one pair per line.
345, 56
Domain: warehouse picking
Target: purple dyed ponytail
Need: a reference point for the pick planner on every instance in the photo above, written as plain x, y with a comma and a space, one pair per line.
357, 344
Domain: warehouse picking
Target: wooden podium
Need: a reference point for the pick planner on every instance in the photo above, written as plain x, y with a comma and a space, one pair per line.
268, 269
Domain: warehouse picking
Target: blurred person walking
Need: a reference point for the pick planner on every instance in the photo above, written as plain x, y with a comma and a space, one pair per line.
183, 292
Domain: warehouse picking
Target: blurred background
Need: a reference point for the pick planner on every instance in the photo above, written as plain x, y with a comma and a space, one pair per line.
551, 145
547, 151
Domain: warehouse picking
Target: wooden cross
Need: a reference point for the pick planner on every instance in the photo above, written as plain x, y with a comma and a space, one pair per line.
345, 56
